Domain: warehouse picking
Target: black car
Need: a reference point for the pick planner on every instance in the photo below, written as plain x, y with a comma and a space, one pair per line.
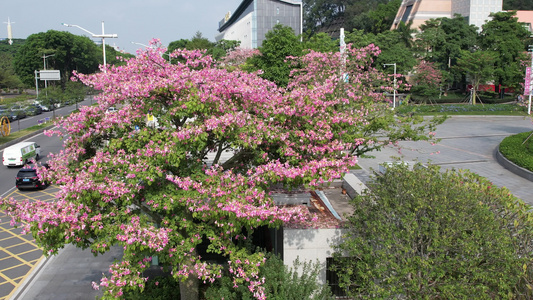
27, 179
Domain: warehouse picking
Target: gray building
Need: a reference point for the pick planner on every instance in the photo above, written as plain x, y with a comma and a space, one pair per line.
254, 18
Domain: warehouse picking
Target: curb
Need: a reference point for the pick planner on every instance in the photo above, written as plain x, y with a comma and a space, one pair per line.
509, 165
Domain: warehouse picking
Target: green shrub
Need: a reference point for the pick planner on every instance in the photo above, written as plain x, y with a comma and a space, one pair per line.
427, 234
281, 283
451, 109
157, 288
515, 150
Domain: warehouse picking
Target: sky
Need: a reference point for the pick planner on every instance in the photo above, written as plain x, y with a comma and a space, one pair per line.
137, 21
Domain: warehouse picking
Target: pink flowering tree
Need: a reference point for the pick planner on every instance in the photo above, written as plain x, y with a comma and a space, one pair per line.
426, 80
238, 57
192, 154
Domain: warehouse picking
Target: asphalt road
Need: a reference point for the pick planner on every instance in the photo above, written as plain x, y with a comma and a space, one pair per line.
19, 254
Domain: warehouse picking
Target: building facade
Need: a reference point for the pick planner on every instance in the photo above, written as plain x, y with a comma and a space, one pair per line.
419, 11
254, 18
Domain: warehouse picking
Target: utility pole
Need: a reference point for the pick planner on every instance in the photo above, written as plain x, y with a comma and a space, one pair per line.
530, 83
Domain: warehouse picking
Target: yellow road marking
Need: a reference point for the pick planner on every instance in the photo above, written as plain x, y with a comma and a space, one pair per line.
47, 196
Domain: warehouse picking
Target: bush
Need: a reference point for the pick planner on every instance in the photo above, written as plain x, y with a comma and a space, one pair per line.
515, 150
281, 283
427, 234
461, 109
157, 288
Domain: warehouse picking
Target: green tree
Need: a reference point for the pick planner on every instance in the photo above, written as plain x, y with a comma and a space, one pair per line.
517, 5
508, 38
179, 44
198, 41
279, 43
479, 66
373, 16
392, 46
320, 13
383, 16
320, 42
222, 47
429, 234
71, 52
8, 78
114, 57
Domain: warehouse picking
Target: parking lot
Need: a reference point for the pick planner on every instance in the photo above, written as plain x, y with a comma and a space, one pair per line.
18, 253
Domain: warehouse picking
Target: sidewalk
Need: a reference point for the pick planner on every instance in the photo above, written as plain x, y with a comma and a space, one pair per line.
468, 142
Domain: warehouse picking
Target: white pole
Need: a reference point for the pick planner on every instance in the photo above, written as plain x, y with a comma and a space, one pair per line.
9, 32
394, 91
530, 85
103, 46
394, 83
342, 51
36, 84
103, 36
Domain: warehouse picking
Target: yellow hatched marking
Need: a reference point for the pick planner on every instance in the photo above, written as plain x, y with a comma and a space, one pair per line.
20, 236
16, 195
37, 261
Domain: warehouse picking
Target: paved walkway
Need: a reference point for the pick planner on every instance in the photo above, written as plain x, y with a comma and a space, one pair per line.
467, 143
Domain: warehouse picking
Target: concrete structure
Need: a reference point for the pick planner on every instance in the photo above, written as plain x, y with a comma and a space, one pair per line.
419, 11
254, 18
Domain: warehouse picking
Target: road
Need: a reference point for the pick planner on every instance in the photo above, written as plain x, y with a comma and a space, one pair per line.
468, 142
19, 254
29, 121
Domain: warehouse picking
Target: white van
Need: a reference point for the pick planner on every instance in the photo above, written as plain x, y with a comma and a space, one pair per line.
21, 153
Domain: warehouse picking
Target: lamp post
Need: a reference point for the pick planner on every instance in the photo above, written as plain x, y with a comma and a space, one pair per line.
394, 90
530, 86
44, 65
103, 36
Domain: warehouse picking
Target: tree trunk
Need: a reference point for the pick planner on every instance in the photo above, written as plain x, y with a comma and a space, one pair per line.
189, 289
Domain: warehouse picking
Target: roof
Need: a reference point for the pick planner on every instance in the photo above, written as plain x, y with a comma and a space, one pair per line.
19, 145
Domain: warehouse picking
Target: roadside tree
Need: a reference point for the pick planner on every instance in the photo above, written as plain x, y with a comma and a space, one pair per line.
202, 170
71, 52
8, 78
508, 39
479, 68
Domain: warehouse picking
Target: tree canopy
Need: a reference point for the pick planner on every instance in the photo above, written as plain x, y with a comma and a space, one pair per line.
508, 39
426, 233
279, 43
201, 169
70, 52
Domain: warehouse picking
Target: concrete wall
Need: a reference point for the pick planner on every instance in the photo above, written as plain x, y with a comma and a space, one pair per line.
310, 245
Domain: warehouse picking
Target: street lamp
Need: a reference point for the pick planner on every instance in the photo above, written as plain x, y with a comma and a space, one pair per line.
394, 91
46, 81
103, 36
530, 85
